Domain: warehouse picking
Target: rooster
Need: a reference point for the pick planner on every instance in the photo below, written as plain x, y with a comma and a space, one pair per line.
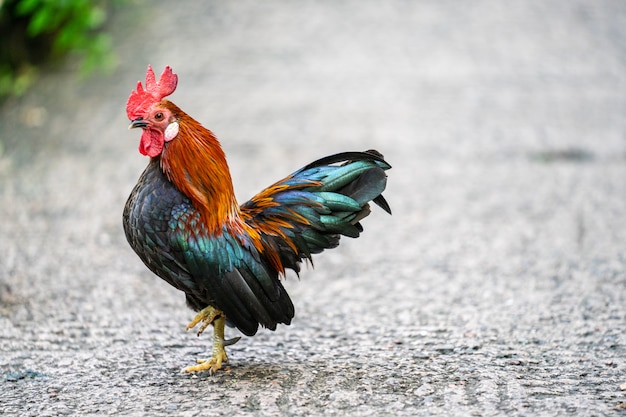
183, 221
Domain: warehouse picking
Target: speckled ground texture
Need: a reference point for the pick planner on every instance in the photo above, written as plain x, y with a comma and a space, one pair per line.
498, 286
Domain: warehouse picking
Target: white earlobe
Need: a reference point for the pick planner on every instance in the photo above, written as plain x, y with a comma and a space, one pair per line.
171, 131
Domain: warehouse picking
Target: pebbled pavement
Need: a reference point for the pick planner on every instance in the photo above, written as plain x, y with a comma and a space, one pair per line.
496, 288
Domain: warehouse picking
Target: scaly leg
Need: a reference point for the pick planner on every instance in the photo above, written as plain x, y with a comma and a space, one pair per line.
211, 315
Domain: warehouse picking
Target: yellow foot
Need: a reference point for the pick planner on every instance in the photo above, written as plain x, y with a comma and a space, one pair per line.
212, 365
207, 316
215, 317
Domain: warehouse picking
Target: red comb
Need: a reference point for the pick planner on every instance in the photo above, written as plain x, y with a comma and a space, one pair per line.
140, 100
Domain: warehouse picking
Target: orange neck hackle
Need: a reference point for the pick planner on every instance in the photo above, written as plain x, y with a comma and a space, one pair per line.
195, 163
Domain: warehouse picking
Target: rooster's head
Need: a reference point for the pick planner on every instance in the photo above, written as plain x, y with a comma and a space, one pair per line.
147, 109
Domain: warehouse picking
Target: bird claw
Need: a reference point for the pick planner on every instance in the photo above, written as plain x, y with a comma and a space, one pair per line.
212, 365
207, 316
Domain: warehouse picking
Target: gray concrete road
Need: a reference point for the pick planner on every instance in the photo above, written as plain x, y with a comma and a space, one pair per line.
496, 288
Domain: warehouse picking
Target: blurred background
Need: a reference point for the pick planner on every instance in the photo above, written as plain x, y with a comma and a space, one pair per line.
497, 286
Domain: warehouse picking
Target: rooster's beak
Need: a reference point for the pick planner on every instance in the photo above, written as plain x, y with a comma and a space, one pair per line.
138, 123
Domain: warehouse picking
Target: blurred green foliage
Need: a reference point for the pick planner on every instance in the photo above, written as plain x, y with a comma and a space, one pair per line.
38, 32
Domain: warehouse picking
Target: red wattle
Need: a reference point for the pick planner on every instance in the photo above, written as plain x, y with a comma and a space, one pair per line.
151, 143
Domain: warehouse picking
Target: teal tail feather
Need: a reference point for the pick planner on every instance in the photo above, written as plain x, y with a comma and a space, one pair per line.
308, 211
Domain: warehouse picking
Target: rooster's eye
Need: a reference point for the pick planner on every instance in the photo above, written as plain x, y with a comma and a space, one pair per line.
158, 116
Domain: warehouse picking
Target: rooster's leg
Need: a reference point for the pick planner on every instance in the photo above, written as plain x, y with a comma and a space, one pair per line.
211, 315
